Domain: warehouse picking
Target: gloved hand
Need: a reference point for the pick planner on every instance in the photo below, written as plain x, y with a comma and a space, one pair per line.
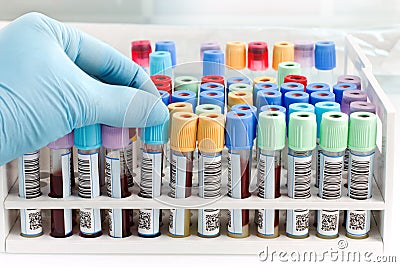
54, 78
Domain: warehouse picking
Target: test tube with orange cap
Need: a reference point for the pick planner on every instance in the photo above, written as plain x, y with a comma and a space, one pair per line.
239, 97
235, 57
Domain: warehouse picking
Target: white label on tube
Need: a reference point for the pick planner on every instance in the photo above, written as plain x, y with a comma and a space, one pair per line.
67, 221
328, 223
152, 171
208, 222
177, 222
235, 225
266, 171
234, 176
89, 221
266, 222
360, 176
31, 222
29, 175
210, 170
113, 174
299, 176
66, 173
358, 222
115, 222
330, 173
149, 222
297, 222
88, 170
180, 186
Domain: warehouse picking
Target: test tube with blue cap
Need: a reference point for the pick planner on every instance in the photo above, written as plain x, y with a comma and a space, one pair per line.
339, 88
167, 46
264, 86
185, 96
213, 97
325, 62
288, 87
295, 97
317, 87
212, 86
213, 63
237, 79
165, 97
268, 97
317, 97
87, 140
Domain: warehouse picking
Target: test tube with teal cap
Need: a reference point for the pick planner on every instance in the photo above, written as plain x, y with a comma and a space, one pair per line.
271, 139
88, 141
302, 139
154, 140
333, 143
239, 141
160, 63
361, 144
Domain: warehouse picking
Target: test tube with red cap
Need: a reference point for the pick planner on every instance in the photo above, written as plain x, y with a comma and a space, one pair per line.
140, 52
213, 79
294, 78
257, 58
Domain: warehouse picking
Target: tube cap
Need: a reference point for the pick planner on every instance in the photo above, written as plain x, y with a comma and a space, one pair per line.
185, 96
67, 141
210, 132
294, 78
240, 97
351, 96
212, 86
155, 135
208, 108
257, 56
268, 97
339, 88
88, 137
362, 106
316, 87
350, 79
240, 87
289, 87
160, 63
252, 110
304, 54
140, 51
264, 79
323, 107
316, 97
168, 46
183, 131
238, 130
283, 52
208, 46
236, 55
286, 68
213, 63
271, 131
233, 80
273, 108
302, 131
325, 56
301, 107
213, 79
180, 107
213, 97
295, 97
334, 130
114, 137
362, 131
187, 83
165, 96
265, 86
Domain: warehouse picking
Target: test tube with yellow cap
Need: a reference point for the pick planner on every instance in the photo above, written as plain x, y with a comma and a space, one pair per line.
239, 97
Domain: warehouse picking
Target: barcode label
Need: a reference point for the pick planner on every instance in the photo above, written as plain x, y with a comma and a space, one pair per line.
208, 222
346, 160
297, 222
131, 160
266, 176
317, 165
178, 176
266, 222
115, 167
328, 223
151, 174
29, 175
31, 222
360, 176
234, 176
66, 173
115, 223
149, 222
330, 184
88, 175
358, 222
177, 222
235, 220
299, 176
89, 221
210, 172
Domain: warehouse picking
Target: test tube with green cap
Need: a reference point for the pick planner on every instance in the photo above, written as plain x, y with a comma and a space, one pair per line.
361, 145
208, 108
189, 83
333, 143
270, 142
287, 68
302, 139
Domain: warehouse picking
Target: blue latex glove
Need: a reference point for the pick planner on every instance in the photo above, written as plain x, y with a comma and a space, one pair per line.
54, 78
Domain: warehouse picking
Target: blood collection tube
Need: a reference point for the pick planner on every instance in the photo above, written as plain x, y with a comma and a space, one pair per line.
116, 140
362, 106
213, 97
187, 83
213, 79
235, 57
257, 61
88, 142
165, 97
264, 79
317, 97
160, 63
239, 141
208, 108
210, 138
182, 146
295, 78
212, 86
132, 155
240, 87
239, 97
213, 63
287, 68
271, 139
60, 183
253, 112
325, 62
333, 143
162, 80
208, 46
179, 107
237, 79
154, 140
361, 143
185, 96
167, 46
273, 108
29, 187
339, 88
294, 97
265, 86
283, 52
304, 55
268, 97
301, 107
317, 87
288, 87
140, 52
353, 79
302, 139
